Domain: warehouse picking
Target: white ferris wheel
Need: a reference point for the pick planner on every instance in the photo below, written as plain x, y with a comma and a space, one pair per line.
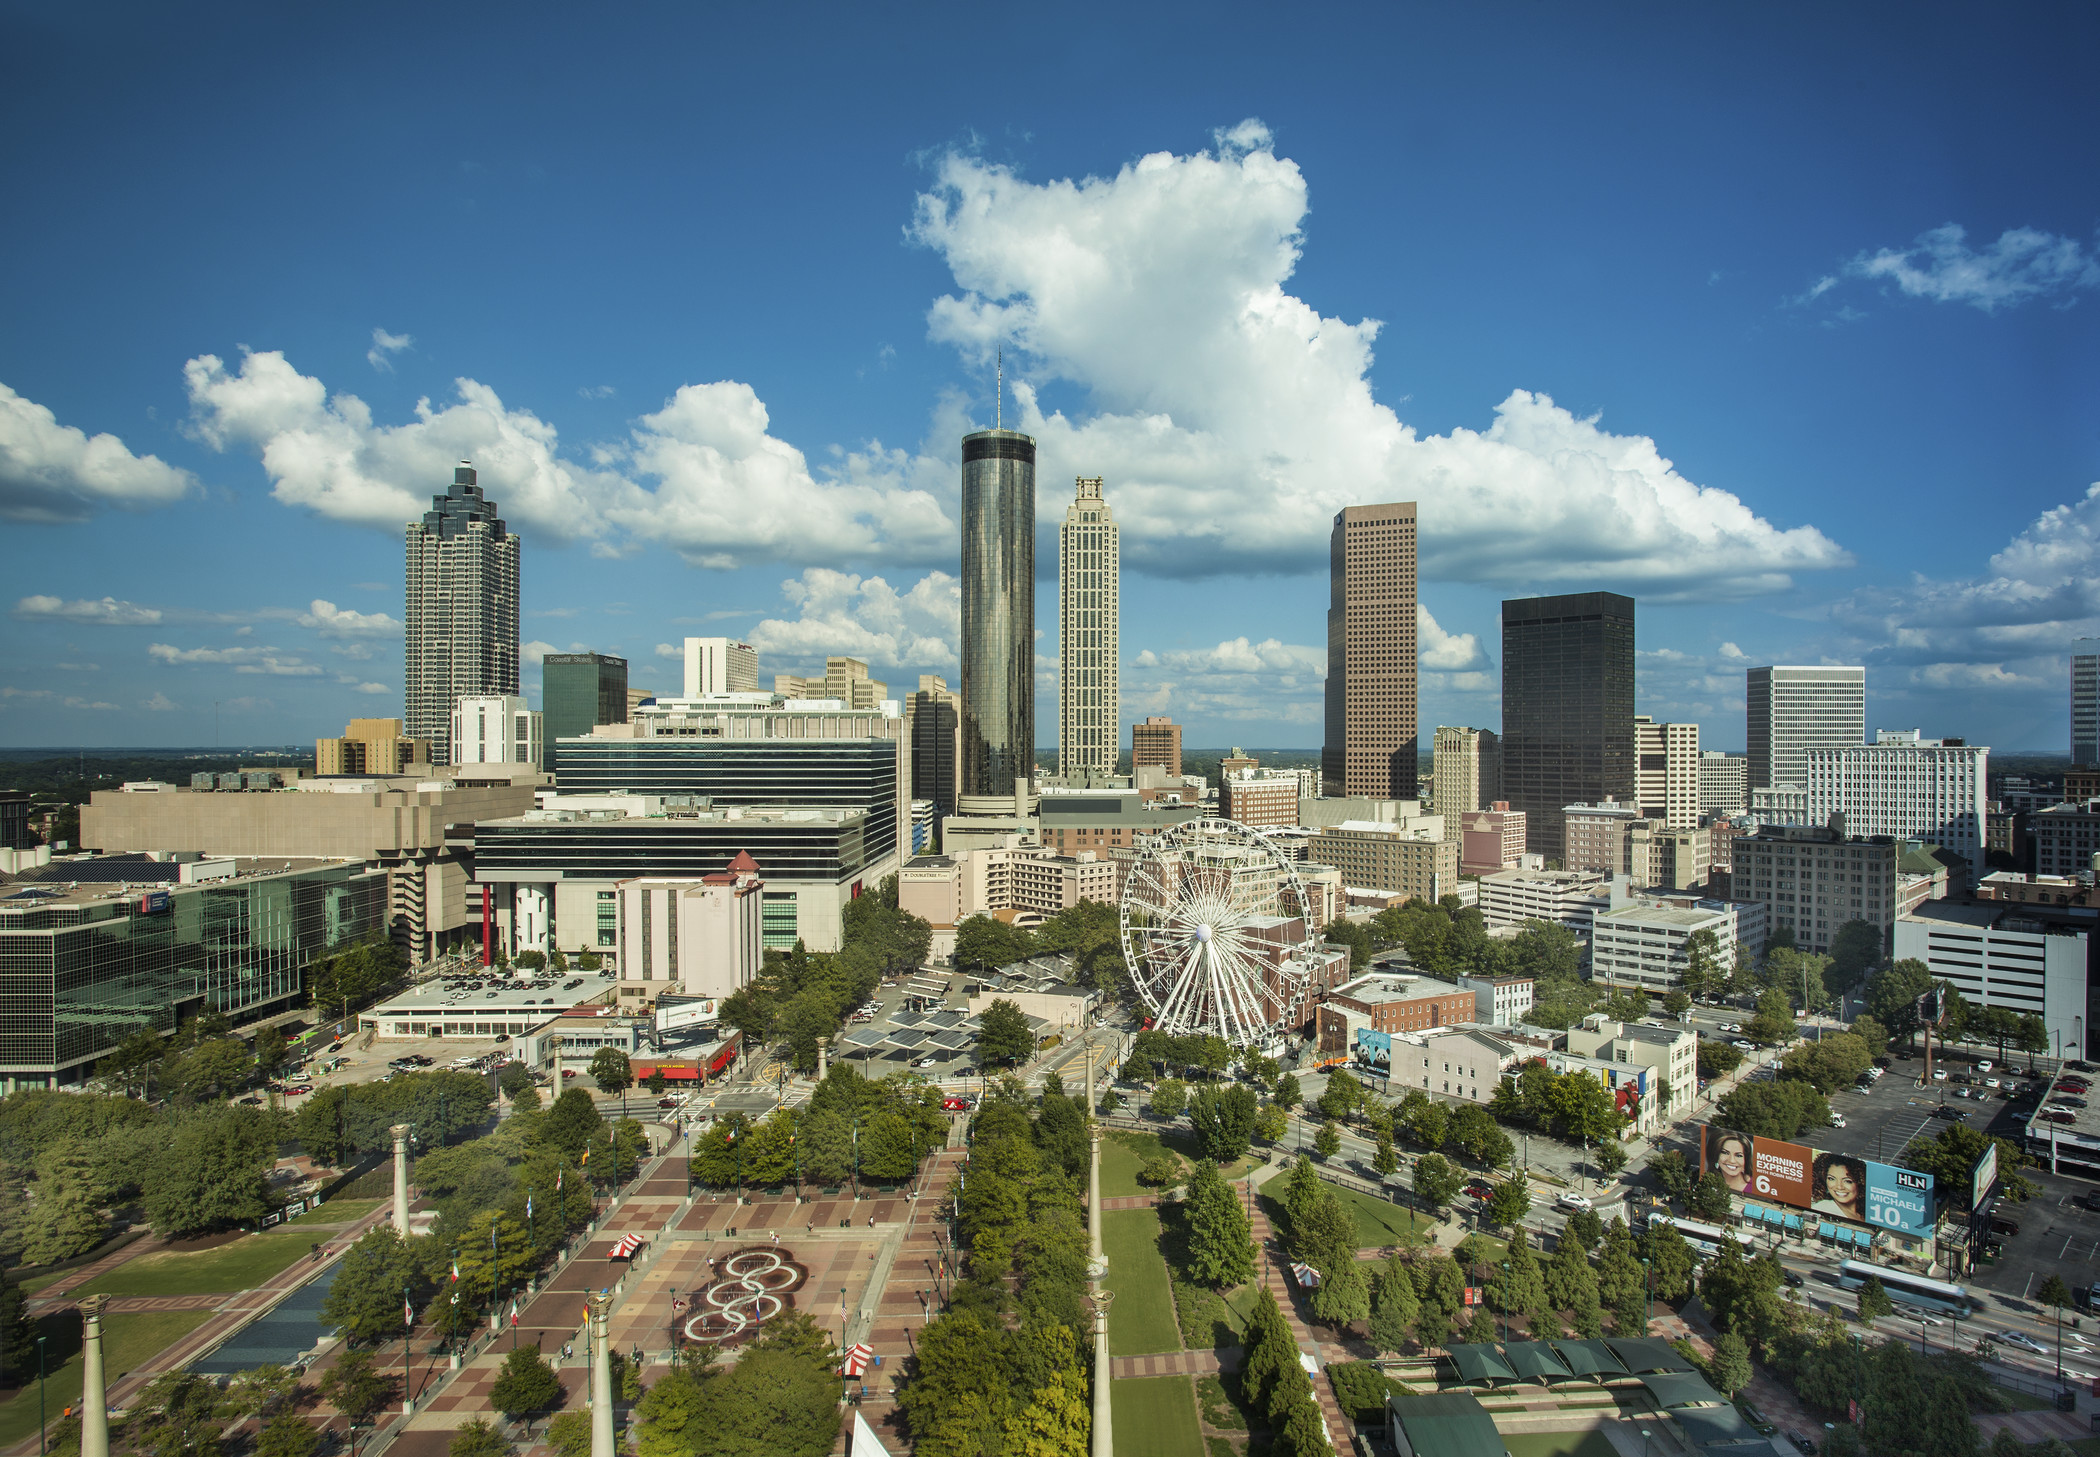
1205, 932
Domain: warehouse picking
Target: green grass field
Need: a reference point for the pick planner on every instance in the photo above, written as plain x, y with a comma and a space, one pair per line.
1378, 1223
1156, 1416
127, 1340
1141, 1321
1558, 1444
241, 1265
1122, 1153
338, 1211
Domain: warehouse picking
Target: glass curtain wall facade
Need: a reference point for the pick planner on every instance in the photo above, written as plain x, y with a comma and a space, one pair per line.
462, 629
1788, 711
2085, 702
832, 849
1089, 585
998, 611
1567, 709
842, 773
77, 978
579, 691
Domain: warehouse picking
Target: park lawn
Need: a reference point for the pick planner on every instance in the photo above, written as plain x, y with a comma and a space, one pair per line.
1592, 1443
241, 1264
127, 1341
1123, 1152
1183, 1142
1156, 1416
338, 1211
30, 1287
1141, 1321
1378, 1223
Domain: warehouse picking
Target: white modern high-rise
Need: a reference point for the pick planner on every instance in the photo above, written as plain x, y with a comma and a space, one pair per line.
1790, 710
1724, 783
719, 665
1089, 572
2085, 701
1666, 779
1906, 787
495, 729
462, 618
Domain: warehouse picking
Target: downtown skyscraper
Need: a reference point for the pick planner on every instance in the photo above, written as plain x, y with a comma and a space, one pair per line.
998, 620
462, 618
1370, 748
1089, 585
1567, 709
1789, 710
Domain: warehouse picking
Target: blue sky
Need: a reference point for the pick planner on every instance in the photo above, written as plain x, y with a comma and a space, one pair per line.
1781, 321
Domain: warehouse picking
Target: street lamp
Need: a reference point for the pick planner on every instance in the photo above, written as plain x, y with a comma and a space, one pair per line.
40, 1396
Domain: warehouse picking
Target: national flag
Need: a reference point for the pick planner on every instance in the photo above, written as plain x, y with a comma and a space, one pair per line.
455, 1297
586, 1157
455, 1271
514, 1312
408, 1313
528, 1206
557, 1181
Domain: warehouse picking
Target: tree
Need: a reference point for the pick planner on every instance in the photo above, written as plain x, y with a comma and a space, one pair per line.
526, 1385
1702, 964
212, 1171
1622, 1284
1892, 994
1669, 1261
17, 1334
378, 1273
1436, 1182
572, 1123
1354, 936
1774, 1022
1287, 1094
1343, 1294
1718, 1059
1221, 1242
1343, 1094
1169, 1098
1709, 1196
1730, 1367
1429, 1124
1270, 1123
1671, 1172
958, 1401
1383, 1159
287, 1434
1224, 1120
569, 1434
1828, 1063
1057, 1420
1676, 1003
475, 1437
1328, 1141
1772, 1110
1853, 951
611, 1071
1510, 1202
1393, 1307
354, 1385
66, 1219
1871, 1034
1003, 1036
888, 1151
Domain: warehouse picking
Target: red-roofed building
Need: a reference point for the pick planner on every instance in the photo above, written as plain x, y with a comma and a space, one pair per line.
691, 937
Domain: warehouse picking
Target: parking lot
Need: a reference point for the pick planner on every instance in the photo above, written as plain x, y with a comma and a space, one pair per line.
2056, 1237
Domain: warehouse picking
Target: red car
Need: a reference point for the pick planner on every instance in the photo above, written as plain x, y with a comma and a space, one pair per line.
1480, 1189
955, 1105
2072, 1085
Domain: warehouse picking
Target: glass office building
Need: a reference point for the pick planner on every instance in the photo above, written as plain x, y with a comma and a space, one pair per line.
857, 774
1567, 708
998, 611
579, 691
85, 963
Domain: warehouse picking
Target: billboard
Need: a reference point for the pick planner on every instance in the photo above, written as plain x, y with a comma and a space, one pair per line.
1838, 1185
1374, 1050
1986, 1174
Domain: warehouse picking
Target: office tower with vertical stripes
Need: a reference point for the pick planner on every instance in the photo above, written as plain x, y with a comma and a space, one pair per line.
1790, 710
2085, 701
462, 620
1089, 573
998, 620
1370, 748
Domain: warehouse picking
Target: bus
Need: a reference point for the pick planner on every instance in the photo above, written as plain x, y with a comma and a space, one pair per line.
1907, 1289
1705, 1239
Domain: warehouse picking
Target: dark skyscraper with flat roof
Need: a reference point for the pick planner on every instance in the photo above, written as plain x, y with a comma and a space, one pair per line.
1567, 708
579, 691
998, 614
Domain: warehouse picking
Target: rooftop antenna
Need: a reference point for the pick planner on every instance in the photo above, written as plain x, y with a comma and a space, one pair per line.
999, 408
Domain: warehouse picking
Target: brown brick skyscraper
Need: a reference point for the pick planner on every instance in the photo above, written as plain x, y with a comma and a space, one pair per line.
1371, 654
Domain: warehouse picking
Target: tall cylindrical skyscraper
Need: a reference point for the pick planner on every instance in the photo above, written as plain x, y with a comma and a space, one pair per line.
998, 615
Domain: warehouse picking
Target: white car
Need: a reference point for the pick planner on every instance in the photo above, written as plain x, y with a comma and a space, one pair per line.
1837, 1120
1574, 1201
1983, 1067
2024, 1341
1923, 1317
1743, 1046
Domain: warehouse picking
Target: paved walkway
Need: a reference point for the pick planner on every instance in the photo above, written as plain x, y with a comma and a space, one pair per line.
1276, 1275
53, 1296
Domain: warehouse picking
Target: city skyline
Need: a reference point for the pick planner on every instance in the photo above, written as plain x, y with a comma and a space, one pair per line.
753, 430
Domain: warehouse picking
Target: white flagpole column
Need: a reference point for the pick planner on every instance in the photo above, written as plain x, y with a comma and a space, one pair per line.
400, 1132
601, 1380
94, 1390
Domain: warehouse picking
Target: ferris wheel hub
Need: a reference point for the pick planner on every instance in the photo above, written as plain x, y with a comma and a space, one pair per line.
1203, 933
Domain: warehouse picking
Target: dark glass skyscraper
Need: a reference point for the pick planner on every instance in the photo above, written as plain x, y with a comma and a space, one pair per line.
579, 691
998, 611
462, 628
1567, 708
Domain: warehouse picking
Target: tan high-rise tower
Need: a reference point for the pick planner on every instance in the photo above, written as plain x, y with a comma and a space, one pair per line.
1370, 746
1089, 571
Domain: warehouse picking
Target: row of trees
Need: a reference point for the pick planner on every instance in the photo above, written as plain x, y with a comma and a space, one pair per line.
1091, 931
338, 1124
1002, 1369
879, 1129
803, 997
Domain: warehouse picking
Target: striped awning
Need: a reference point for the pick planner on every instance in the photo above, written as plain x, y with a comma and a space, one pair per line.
1307, 1275
628, 1244
857, 1360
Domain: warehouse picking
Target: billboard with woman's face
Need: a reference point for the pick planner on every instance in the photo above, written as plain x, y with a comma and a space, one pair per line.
1839, 1185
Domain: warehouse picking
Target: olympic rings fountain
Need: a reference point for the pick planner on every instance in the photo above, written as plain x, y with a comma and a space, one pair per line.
757, 1283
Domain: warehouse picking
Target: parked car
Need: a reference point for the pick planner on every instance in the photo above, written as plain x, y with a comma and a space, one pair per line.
1837, 1120
955, 1105
1802, 1442
2001, 1225
1480, 1188
1574, 1201
1740, 1045
2088, 1201
2053, 1115
1948, 1111
1983, 1067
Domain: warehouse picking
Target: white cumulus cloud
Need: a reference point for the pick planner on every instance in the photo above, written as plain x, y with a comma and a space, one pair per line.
1232, 419
273, 661
673, 651
159, 703
52, 473
333, 621
840, 613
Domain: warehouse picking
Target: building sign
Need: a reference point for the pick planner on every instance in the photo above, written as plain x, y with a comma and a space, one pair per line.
154, 903
1374, 1050
1839, 1185
1986, 1174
